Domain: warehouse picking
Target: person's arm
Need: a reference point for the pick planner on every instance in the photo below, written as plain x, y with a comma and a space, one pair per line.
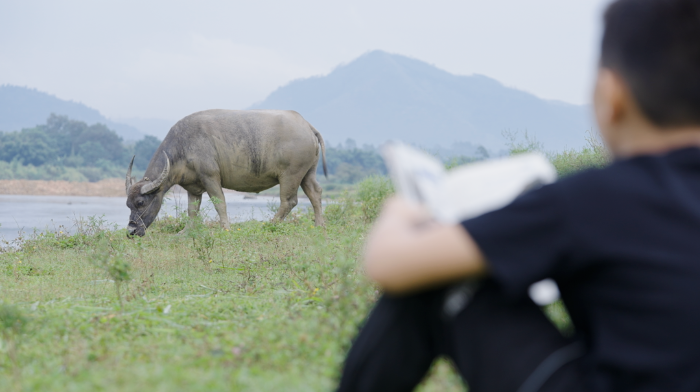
407, 251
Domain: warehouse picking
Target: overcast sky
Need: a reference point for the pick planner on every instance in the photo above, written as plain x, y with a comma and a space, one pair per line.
167, 59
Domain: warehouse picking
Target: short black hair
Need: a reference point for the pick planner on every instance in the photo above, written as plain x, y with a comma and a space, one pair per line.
654, 45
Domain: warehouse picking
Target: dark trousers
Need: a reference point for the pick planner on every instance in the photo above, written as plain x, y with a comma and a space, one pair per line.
497, 345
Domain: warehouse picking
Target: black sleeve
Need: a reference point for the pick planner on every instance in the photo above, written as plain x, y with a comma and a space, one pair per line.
525, 241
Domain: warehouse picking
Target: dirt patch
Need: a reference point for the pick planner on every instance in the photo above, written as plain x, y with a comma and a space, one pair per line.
108, 187
111, 187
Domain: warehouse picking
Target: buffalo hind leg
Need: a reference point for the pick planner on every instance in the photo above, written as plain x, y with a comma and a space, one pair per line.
193, 204
216, 194
313, 190
288, 197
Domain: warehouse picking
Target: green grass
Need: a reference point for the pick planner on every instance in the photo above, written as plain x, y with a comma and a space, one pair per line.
261, 307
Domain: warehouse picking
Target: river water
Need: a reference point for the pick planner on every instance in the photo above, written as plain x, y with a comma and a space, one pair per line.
21, 213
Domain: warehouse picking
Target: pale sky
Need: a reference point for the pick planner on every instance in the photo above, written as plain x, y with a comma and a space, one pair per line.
167, 59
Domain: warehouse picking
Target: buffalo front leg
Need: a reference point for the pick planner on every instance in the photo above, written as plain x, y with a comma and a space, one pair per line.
313, 190
216, 194
288, 198
193, 204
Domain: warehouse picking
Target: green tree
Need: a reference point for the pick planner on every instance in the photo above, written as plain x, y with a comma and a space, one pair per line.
352, 163
66, 149
112, 148
29, 147
144, 150
65, 133
91, 151
347, 173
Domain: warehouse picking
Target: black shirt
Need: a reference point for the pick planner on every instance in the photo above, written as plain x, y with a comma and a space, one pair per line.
623, 244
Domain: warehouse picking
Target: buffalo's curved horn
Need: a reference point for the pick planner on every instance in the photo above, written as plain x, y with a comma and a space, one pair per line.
154, 185
130, 181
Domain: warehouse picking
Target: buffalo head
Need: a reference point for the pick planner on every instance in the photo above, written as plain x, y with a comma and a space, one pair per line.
144, 198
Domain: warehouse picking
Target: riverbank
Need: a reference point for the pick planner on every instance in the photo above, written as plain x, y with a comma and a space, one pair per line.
111, 187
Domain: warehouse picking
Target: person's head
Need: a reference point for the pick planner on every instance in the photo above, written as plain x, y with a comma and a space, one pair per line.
649, 76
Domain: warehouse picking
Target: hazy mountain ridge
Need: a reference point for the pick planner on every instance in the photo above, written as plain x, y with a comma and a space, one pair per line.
382, 96
375, 98
22, 107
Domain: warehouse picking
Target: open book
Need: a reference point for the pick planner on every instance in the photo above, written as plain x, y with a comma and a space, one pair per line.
470, 190
465, 191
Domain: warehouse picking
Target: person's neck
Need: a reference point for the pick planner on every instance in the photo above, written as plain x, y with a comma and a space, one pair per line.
650, 140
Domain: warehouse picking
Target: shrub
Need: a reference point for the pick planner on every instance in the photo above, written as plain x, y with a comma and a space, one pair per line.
371, 193
572, 161
594, 155
342, 210
112, 262
12, 324
169, 224
12, 320
517, 145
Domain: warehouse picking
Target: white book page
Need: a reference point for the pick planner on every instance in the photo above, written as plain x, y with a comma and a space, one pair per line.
471, 190
466, 191
416, 175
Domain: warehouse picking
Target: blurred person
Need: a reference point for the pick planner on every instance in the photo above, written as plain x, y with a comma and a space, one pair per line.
622, 244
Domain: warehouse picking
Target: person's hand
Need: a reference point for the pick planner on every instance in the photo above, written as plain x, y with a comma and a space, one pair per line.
407, 250
407, 214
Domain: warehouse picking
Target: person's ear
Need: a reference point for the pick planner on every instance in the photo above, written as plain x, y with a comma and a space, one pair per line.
610, 99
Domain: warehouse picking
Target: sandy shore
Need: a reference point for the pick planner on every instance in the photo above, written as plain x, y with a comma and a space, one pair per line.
109, 187
112, 187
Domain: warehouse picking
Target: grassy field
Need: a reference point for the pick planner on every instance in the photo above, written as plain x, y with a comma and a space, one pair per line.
261, 307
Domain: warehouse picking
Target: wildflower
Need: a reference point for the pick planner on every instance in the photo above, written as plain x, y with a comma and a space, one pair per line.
210, 260
19, 261
239, 229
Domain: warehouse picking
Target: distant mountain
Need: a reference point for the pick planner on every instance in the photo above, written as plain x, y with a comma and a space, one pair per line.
22, 107
382, 96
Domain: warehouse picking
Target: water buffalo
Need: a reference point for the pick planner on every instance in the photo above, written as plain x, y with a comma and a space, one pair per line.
243, 150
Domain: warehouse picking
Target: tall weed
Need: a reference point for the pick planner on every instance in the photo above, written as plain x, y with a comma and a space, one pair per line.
110, 259
593, 155
12, 324
371, 193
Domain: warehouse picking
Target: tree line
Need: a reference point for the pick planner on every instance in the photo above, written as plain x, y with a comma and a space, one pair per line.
349, 164
72, 150
67, 149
